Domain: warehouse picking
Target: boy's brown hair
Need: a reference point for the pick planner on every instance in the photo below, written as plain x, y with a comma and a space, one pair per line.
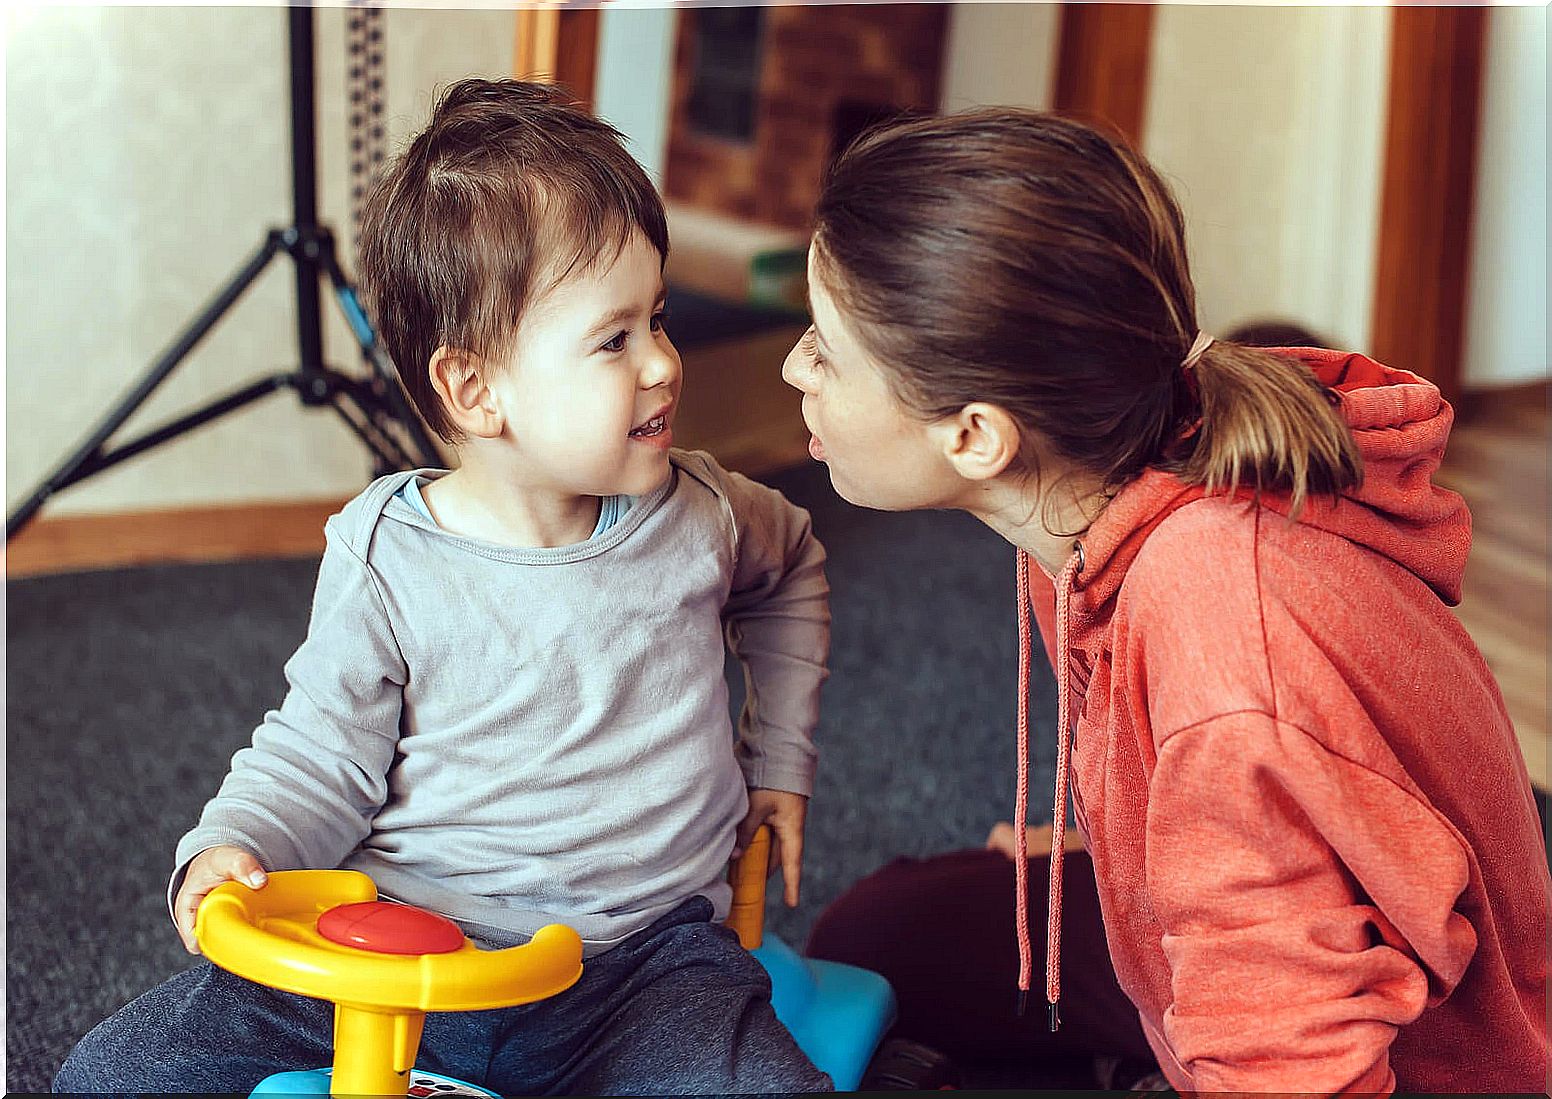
509, 188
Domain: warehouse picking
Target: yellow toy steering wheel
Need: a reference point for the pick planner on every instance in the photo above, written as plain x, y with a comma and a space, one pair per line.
324, 934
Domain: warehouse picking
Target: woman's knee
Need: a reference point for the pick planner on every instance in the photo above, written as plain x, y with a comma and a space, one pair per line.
907, 903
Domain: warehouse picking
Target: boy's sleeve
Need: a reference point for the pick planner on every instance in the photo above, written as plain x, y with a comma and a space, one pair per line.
303, 794
1307, 904
778, 626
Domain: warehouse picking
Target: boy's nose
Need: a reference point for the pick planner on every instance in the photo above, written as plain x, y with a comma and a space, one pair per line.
662, 368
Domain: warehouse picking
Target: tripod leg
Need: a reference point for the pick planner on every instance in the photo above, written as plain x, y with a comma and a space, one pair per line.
101, 460
426, 452
67, 472
367, 423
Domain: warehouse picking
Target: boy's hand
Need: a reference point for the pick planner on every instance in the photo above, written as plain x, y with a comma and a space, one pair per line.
785, 814
207, 870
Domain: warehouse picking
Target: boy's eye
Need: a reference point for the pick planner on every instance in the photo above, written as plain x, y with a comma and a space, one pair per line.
616, 344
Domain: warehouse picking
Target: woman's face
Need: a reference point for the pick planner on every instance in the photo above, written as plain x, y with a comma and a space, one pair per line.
880, 454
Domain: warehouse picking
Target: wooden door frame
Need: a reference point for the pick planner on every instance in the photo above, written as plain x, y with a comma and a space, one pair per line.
1103, 56
576, 53
557, 45
1423, 260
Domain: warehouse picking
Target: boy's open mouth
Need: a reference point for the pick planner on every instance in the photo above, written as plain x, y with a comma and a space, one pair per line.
652, 427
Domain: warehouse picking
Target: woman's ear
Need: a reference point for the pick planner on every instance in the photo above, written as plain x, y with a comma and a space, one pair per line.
458, 376
979, 441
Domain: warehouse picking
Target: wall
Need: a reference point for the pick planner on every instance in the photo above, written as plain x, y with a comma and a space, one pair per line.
147, 152
1000, 53
634, 80
1269, 124
1506, 310
816, 63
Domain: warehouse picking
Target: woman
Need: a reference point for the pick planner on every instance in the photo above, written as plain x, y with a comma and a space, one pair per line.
1312, 834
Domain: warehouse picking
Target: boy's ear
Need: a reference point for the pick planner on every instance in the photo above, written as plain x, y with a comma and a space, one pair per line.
458, 377
979, 441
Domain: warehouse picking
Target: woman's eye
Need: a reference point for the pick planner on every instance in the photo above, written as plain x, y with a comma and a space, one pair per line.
616, 344
659, 319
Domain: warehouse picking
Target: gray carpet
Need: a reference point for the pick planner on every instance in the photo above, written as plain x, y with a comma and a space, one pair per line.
129, 690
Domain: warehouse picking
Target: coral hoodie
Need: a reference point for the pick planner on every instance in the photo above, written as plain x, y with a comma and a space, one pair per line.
1318, 857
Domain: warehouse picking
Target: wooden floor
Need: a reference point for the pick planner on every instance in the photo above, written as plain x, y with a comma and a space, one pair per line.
1497, 459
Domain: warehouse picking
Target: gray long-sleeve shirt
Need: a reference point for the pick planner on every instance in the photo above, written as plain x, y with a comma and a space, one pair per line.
514, 737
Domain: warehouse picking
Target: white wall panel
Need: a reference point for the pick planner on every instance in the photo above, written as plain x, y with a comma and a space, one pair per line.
147, 152
1269, 123
1506, 308
1000, 54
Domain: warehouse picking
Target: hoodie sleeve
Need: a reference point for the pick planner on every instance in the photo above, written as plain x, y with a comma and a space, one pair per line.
1307, 906
303, 794
777, 619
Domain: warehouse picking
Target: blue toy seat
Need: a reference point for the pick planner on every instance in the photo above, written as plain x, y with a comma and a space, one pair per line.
315, 1082
838, 1013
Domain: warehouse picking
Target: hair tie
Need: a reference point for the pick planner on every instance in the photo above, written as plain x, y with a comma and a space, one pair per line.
1198, 347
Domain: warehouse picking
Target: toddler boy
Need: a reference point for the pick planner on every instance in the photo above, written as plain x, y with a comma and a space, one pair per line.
509, 707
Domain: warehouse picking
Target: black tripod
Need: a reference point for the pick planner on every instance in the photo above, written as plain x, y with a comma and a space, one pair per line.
373, 405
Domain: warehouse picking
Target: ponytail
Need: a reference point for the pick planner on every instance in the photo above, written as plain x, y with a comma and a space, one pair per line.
1267, 423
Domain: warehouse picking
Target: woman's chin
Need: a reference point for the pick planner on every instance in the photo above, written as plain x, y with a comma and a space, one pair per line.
852, 494
874, 500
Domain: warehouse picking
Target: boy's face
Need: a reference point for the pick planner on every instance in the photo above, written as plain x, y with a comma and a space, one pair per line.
592, 383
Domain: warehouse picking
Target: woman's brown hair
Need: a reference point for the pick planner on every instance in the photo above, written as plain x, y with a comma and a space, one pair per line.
1030, 261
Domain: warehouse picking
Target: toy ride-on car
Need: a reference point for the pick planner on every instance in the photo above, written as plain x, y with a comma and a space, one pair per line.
384, 965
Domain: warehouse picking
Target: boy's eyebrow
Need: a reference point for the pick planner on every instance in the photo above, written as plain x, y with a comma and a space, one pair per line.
620, 316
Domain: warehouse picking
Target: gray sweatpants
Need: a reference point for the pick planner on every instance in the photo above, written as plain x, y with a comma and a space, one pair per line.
677, 1009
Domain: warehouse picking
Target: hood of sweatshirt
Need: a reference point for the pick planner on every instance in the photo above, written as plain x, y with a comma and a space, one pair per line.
1400, 422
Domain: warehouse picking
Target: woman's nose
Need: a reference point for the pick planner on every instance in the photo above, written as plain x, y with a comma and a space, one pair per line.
794, 370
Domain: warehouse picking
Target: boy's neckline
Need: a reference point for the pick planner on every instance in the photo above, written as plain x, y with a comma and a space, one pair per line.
639, 512
611, 509
485, 506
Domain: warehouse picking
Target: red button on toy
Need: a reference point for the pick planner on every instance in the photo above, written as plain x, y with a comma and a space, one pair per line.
388, 928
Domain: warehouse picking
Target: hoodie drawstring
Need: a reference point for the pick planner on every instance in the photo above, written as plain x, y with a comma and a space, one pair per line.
1021, 798
1053, 941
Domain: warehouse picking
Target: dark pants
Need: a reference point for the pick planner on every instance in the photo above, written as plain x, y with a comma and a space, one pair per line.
942, 931
679, 1008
